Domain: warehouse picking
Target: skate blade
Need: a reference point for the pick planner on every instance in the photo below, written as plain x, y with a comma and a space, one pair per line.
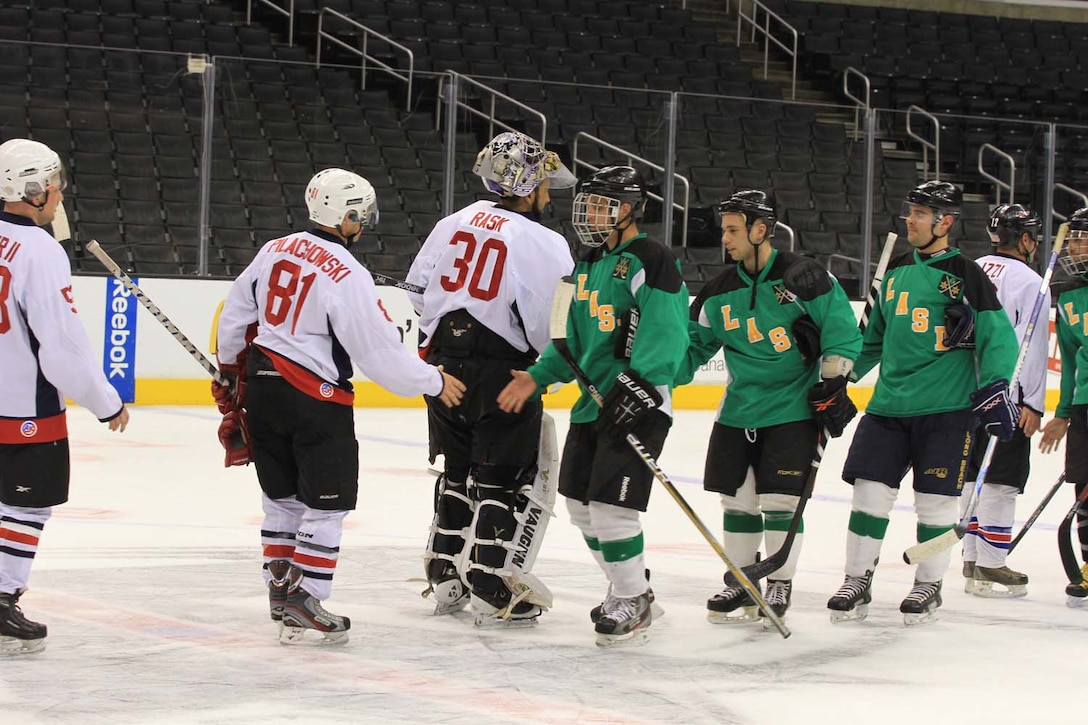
913, 619
1076, 602
444, 608
13, 647
486, 621
986, 590
737, 616
656, 610
857, 614
970, 586
634, 638
311, 637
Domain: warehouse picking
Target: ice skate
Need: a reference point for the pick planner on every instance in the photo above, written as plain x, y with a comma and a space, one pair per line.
595, 613
18, 635
778, 597
303, 613
502, 612
921, 604
625, 622
732, 605
851, 602
1078, 593
450, 593
1010, 583
969, 577
277, 588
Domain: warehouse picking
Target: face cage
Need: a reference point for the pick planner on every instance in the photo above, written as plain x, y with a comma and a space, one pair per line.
590, 234
1075, 265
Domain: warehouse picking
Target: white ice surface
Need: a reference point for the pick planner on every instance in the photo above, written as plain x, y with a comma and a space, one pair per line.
149, 581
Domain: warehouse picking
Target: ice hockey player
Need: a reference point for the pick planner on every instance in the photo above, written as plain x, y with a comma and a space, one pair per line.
627, 331
490, 271
45, 356
316, 311
1071, 414
946, 351
1014, 232
773, 314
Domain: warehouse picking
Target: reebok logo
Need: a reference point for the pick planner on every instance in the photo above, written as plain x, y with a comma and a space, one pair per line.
821, 406
623, 488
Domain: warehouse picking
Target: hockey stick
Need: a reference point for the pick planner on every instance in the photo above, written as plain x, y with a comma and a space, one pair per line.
1065, 540
564, 294
927, 549
774, 562
1038, 510
394, 282
107, 261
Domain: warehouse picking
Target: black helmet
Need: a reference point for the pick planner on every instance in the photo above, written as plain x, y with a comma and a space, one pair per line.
754, 205
618, 184
1075, 265
1008, 223
940, 196
1078, 220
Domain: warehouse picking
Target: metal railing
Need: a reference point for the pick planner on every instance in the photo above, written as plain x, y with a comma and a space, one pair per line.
789, 231
761, 12
666, 213
861, 105
1010, 185
364, 54
935, 144
493, 96
869, 113
288, 12
1071, 192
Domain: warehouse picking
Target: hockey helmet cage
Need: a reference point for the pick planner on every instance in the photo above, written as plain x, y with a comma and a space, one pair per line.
1074, 256
605, 191
754, 205
332, 194
29, 169
1008, 223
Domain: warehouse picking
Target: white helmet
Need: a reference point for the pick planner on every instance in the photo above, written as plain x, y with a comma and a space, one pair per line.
29, 169
334, 193
513, 164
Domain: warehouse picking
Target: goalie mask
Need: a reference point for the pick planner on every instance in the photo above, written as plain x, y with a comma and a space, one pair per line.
334, 196
1009, 223
1074, 256
596, 211
29, 170
514, 165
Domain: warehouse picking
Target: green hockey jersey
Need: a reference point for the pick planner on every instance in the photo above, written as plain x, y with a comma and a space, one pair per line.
1073, 344
768, 378
918, 373
639, 273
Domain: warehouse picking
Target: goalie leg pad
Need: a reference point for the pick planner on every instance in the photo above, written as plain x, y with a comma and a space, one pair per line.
449, 529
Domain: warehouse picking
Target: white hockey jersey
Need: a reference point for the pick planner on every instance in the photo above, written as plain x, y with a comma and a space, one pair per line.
500, 266
317, 310
44, 351
1017, 287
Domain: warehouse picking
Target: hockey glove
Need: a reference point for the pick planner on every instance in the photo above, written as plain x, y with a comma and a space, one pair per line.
234, 435
627, 404
959, 325
832, 408
995, 410
226, 395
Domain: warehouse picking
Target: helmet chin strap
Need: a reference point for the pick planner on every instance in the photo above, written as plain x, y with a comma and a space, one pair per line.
39, 207
349, 239
934, 238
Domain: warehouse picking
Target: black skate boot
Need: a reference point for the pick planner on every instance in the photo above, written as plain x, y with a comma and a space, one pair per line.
778, 596
595, 613
732, 605
277, 587
450, 593
921, 603
495, 607
1011, 583
851, 602
18, 635
625, 622
303, 612
1078, 592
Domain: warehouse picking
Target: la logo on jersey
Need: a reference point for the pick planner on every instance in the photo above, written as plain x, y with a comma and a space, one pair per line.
28, 429
325, 390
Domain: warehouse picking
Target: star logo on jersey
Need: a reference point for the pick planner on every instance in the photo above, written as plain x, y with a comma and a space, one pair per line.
951, 287
28, 429
622, 268
783, 295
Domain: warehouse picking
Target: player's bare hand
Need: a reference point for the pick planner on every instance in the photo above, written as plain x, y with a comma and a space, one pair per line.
1053, 432
120, 422
1029, 421
452, 389
516, 392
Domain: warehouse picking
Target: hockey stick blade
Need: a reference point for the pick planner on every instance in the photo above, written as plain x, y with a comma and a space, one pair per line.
107, 261
928, 549
1065, 540
387, 281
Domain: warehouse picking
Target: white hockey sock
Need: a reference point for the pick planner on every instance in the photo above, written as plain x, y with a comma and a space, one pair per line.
619, 532
970, 539
778, 510
996, 509
20, 530
742, 523
936, 515
871, 507
318, 549
281, 520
